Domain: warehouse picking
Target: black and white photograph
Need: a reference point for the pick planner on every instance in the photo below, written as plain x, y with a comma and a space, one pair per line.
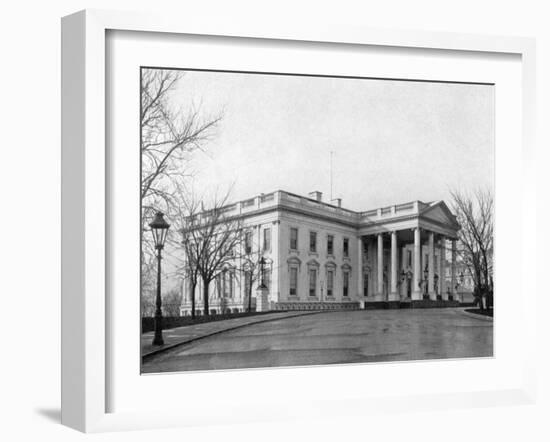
302, 220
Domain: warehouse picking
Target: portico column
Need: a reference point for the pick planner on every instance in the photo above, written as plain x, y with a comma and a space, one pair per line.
360, 268
442, 268
431, 265
394, 296
416, 292
380, 268
453, 269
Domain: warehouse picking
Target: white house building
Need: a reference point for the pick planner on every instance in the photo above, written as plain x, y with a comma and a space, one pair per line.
465, 283
323, 256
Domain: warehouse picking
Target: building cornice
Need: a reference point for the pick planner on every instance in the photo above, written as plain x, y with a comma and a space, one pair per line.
354, 225
288, 203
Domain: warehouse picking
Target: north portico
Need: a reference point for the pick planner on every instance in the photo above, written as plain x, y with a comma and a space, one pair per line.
409, 244
323, 256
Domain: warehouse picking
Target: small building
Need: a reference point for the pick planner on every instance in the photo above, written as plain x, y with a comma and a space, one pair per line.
320, 255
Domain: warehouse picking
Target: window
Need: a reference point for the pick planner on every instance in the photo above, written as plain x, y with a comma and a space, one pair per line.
312, 282
219, 285
330, 245
227, 284
267, 278
346, 283
330, 282
267, 239
346, 247
409, 258
294, 238
312, 241
365, 284
248, 242
293, 280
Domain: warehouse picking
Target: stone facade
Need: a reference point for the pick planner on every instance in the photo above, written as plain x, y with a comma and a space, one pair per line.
323, 256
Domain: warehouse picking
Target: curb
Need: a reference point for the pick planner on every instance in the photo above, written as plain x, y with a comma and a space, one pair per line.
149, 355
476, 316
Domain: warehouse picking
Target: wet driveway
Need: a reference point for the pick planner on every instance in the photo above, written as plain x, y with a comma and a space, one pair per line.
336, 337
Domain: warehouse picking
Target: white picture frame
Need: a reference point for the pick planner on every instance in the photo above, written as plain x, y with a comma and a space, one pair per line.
85, 350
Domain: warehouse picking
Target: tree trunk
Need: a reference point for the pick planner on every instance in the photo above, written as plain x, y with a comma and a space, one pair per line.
250, 297
478, 283
486, 277
205, 286
193, 286
485, 269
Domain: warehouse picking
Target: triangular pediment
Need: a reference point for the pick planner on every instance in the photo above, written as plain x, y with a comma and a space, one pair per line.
440, 213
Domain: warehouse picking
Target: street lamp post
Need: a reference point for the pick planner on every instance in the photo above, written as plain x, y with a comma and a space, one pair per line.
262, 282
159, 228
262, 292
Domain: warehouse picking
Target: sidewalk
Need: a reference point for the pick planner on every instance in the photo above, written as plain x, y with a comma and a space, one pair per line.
189, 333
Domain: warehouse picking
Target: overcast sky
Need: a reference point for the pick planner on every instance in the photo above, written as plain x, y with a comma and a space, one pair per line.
393, 141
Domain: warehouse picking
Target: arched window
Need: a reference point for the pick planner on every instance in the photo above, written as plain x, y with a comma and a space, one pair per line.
346, 272
345, 283
294, 265
313, 274
312, 271
330, 273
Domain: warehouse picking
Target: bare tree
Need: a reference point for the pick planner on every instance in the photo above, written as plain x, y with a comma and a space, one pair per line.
171, 303
475, 215
169, 136
148, 287
191, 274
187, 208
211, 241
250, 273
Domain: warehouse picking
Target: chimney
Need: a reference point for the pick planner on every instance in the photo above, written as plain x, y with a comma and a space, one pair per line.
338, 202
316, 195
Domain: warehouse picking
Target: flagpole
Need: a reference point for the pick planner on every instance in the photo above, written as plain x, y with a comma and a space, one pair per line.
331, 176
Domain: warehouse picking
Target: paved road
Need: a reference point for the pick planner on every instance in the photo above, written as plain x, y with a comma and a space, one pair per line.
336, 337
178, 335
